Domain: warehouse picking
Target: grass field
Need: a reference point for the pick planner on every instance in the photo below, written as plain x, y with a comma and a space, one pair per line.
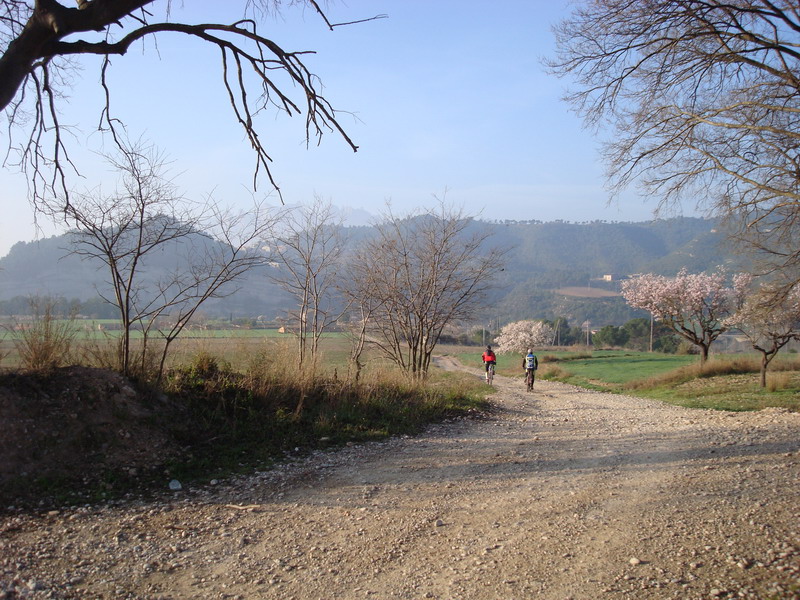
108, 328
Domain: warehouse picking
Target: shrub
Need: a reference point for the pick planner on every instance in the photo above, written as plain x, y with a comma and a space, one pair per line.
554, 372
45, 342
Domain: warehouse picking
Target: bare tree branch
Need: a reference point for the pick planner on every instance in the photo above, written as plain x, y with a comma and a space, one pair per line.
702, 102
420, 274
309, 246
201, 251
36, 40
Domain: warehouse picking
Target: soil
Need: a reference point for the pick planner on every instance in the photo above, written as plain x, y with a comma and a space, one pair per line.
79, 428
559, 493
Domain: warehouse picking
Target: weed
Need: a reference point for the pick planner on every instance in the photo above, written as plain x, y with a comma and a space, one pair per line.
553, 372
44, 342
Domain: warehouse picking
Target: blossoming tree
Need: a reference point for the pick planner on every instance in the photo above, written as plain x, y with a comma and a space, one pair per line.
695, 306
767, 324
521, 335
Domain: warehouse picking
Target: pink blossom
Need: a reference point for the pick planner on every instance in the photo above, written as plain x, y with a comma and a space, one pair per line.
694, 305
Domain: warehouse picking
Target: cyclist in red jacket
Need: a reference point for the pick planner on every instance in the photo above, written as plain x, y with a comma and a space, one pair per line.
489, 360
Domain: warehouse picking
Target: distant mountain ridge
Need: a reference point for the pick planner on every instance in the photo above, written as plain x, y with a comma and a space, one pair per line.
542, 258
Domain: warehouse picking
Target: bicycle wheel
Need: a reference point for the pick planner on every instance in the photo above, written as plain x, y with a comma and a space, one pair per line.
529, 380
490, 375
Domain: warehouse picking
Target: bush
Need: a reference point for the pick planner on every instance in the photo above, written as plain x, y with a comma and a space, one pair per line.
45, 342
241, 420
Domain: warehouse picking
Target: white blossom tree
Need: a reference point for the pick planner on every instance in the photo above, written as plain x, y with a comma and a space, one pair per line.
768, 325
521, 335
695, 306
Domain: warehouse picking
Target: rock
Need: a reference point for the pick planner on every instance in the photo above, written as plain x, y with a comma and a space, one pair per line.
175, 485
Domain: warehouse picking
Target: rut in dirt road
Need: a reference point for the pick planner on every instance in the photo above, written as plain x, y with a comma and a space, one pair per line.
561, 493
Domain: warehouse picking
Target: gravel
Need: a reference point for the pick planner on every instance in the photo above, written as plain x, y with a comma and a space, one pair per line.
560, 493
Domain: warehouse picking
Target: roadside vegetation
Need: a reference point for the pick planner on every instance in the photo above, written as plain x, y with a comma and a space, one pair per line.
247, 416
227, 405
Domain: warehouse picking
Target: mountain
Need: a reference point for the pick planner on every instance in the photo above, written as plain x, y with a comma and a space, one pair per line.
49, 267
550, 263
551, 270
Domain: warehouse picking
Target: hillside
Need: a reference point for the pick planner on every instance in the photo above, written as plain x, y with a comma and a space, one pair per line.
548, 257
542, 259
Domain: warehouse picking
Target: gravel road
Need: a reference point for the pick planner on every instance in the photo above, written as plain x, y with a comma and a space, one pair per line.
561, 493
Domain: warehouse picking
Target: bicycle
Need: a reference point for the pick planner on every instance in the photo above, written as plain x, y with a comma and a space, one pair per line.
490, 374
529, 379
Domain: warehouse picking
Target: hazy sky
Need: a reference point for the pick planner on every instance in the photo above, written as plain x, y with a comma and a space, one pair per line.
445, 95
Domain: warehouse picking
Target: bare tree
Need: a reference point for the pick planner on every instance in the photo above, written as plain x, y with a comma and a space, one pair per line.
425, 271
42, 40
768, 325
308, 247
702, 99
200, 250
363, 301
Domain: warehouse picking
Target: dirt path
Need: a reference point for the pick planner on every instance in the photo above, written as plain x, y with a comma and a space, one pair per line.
559, 494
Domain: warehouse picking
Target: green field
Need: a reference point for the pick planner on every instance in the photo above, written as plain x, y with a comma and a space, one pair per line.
609, 367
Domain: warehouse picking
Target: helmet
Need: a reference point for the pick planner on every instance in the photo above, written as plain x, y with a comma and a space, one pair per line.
530, 350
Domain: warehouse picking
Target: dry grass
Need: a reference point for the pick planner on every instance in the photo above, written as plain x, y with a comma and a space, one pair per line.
782, 380
551, 371
553, 358
45, 342
712, 368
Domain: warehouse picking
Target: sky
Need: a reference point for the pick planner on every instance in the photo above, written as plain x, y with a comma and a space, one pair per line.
445, 99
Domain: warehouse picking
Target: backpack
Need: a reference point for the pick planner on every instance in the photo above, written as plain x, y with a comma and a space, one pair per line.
531, 362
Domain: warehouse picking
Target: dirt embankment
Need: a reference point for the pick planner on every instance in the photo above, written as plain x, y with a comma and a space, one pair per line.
561, 493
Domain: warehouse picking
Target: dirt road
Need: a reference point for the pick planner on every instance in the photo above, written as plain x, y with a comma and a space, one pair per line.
561, 493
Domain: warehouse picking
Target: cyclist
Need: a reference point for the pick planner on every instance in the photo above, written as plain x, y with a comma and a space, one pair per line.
489, 360
530, 363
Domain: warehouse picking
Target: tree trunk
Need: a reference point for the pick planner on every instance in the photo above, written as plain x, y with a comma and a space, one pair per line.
703, 353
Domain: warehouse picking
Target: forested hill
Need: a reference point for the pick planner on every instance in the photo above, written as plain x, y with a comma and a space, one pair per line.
598, 248
544, 261
557, 269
